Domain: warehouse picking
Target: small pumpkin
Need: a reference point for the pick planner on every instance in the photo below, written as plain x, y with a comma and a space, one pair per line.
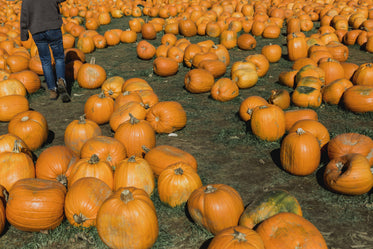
224, 89
198, 81
164, 66
247, 106
91, 75
99, 108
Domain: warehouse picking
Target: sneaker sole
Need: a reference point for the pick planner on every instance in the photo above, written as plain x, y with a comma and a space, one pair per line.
63, 93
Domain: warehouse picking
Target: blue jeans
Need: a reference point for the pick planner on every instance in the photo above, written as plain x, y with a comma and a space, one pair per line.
53, 38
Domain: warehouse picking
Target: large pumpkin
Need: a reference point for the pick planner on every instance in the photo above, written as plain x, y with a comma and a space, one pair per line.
36, 204
134, 172
215, 207
31, 127
176, 183
134, 134
162, 156
166, 116
300, 153
268, 122
53, 163
349, 174
84, 199
128, 219
91, 75
289, 231
107, 148
78, 132
11, 105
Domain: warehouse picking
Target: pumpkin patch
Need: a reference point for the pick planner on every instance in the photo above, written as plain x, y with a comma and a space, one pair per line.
169, 98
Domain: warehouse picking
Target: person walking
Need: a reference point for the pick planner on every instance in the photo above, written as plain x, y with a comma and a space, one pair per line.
43, 19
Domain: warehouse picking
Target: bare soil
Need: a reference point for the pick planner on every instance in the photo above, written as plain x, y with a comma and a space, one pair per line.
226, 151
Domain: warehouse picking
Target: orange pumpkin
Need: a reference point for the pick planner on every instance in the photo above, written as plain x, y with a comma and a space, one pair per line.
215, 207
125, 216
36, 205
84, 199
91, 75
308, 236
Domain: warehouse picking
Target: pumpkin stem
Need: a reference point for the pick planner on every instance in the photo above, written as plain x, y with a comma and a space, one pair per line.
92, 61
17, 148
126, 196
62, 179
82, 119
300, 131
210, 189
133, 119
241, 237
94, 159
6, 195
110, 92
179, 171
79, 219
339, 166
145, 149
25, 118
101, 95
132, 159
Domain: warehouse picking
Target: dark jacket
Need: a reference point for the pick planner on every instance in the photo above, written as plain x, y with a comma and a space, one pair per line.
39, 15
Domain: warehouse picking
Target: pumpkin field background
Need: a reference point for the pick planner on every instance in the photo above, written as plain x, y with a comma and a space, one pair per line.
226, 151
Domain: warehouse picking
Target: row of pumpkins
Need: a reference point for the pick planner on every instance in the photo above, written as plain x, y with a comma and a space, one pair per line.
223, 224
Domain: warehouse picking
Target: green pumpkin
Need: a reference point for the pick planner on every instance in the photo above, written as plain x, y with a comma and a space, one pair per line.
267, 205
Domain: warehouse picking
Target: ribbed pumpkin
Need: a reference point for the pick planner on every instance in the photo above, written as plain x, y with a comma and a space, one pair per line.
267, 205
349, 174
215, 207
99, 108
106, 148
134, 172
280, 97
83, 200
164, 66
166, 116
78, 132
91, 167
15, 165
31, 127
53, 163
315, 128
300, 233
29, 79
36, 205
300, 153
11, 105
268, 122
91, 75
236, 237
112, 86
358, 99
7, 144
292, 116
128, 219
122, 114
12, 87
224, 90
134, 134
332, 93
176, 183
198, 81
162, 156
347, 143
247, 106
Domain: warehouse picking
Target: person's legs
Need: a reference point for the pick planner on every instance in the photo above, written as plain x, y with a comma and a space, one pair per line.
56, 44
41, 42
